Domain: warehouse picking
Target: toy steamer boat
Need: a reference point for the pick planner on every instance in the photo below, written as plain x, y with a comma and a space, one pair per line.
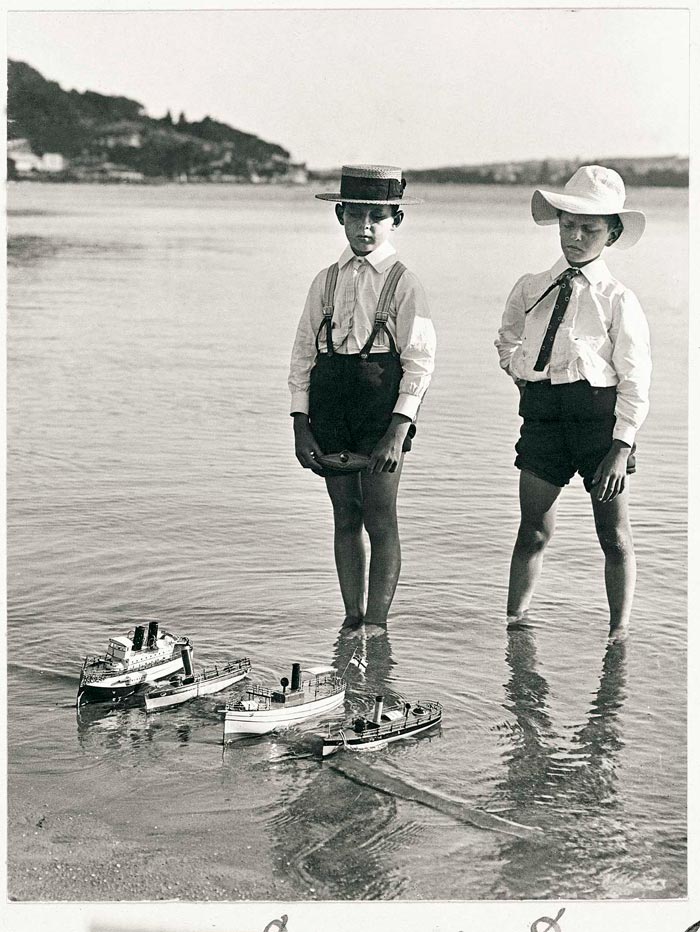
128, 664
179, 688
368, 734
312, 692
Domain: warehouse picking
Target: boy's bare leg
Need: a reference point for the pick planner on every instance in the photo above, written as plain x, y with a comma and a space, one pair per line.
346, 496
379, 511
538, 507
615, 535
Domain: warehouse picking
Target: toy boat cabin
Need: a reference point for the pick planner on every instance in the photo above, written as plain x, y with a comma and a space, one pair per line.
312, 691
385, 726
129, 663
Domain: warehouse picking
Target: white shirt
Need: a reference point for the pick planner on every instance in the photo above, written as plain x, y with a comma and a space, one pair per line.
357, 290
603, 338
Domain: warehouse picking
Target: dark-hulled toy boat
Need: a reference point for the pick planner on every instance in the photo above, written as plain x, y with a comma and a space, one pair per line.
129, 664
385, 726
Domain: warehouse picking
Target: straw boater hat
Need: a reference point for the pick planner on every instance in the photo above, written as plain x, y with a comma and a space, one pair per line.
592, 189
370, 184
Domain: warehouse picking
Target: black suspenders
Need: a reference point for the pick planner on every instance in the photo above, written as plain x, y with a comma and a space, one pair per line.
381, 315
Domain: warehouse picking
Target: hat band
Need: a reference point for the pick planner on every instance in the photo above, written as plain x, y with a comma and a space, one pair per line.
372, 189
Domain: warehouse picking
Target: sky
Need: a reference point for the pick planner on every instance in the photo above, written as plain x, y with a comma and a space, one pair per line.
417, 87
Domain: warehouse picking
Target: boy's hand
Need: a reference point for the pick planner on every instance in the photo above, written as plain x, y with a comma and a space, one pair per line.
386, 456
609, 477
305, 445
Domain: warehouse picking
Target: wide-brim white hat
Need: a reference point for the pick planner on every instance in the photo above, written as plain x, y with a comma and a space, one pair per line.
371, 184
592, 189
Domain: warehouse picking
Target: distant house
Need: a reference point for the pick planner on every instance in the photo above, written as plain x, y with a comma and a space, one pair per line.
126, 134
93, 169
53, 162
19, 152
297, 173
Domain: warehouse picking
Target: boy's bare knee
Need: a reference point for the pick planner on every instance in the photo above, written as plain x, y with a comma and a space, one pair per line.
380, 522
615, 543
348, 517
533, 538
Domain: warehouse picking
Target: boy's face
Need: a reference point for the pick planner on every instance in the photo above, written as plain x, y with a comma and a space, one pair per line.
367, 226
583, 236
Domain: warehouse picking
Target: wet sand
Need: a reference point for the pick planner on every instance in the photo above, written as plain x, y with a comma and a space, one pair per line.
77, 857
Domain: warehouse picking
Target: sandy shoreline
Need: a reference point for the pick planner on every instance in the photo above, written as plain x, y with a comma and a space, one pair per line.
60, 856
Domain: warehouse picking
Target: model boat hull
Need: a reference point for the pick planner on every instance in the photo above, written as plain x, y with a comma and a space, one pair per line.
165, 696
375, 738
129, 664
241, 722
113, 688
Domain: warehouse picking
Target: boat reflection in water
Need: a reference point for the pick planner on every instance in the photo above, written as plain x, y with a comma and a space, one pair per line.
321, 810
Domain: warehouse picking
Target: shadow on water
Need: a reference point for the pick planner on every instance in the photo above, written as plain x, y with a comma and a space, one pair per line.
569, 784
336, 829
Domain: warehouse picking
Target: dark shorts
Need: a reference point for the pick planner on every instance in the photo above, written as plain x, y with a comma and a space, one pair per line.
351, 401
567, 429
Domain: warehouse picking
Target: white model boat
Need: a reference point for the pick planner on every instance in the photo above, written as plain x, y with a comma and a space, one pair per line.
188, 685
130, 663
312, 692
385, 726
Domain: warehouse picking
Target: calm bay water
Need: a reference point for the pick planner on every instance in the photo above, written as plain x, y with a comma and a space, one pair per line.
151, 473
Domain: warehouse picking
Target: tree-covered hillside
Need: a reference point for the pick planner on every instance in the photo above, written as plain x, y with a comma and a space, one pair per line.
89, 129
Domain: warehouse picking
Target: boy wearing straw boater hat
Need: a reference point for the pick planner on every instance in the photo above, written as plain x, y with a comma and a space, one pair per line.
361, 363
576, 342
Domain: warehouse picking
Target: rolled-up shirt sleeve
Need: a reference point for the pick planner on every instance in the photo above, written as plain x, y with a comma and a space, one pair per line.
304, 349
510, 334
631, 360
416, 342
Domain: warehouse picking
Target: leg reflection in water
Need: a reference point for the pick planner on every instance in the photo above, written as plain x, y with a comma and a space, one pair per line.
567, 783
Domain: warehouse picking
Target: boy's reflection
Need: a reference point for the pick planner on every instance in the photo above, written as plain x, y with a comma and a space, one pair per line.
549, 780
372, 647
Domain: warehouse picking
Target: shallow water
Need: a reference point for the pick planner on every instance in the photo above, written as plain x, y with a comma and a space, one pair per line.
151, 474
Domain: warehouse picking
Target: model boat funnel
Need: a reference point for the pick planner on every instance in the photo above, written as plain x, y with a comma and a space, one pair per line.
152, 633
139, 632
378, 709
187, 659
296, 675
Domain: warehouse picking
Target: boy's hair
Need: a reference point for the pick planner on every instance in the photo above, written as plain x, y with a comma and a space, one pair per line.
395, 208
615, 225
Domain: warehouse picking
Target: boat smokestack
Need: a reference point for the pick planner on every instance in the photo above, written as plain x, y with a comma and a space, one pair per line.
139, 632
152, 633
186, 655
296, 675
378, 709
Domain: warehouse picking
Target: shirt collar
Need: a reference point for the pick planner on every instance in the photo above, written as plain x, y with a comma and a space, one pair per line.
594, 272
380, 259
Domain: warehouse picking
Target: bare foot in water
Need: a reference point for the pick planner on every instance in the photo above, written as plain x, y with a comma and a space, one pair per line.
618, 634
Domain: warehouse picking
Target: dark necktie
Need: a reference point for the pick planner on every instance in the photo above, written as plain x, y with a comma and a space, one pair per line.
563, 282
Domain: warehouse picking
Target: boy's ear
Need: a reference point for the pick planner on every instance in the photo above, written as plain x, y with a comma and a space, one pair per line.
398, 218
339, 214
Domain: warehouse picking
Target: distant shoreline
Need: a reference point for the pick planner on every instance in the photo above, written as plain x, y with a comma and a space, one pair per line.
152, 182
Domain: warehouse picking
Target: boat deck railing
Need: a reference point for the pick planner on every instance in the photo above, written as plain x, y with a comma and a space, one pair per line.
233, 666
385, 729
259, 692
112, 668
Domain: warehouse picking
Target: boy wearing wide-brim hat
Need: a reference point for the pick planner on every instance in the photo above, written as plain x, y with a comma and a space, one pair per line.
576, 342
362, 360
